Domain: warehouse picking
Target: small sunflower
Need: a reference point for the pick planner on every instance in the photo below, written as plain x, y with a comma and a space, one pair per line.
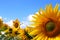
1, 23
47, 24
4, 27
28, 29
16, 27
16, 24
13, 30
24, 34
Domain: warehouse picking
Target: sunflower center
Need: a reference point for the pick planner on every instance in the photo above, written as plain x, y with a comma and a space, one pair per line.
50, 26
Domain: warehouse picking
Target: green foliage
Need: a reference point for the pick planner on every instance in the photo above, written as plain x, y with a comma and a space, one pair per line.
29, 37
4, 37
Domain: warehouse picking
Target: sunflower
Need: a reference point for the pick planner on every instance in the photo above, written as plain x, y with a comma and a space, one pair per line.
28, 29
15, 27
12, 30
16, 31
16, 24
1, 23
46, 24
3, 26
24, 33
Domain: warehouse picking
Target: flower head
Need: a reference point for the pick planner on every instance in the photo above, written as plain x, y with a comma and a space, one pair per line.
47, 23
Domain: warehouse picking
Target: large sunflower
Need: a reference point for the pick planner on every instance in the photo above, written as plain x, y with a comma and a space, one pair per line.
47, 24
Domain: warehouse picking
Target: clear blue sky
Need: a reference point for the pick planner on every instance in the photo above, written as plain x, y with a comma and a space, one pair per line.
12, 9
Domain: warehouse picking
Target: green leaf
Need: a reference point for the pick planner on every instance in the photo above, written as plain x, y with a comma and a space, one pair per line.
26, 33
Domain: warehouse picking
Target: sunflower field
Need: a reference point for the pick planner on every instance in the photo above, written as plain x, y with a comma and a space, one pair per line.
45, 26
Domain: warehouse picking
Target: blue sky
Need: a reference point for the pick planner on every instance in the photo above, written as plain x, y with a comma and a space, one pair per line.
12, 9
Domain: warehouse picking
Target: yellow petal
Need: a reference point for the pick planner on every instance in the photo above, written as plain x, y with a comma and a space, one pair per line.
34, 32
40, 37
56, 8
35, 38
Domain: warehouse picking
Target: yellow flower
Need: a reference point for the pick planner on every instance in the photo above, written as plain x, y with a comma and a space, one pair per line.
16, 24
5, 27
24, 33
1, 23
28, 29
14, 29
47, 24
